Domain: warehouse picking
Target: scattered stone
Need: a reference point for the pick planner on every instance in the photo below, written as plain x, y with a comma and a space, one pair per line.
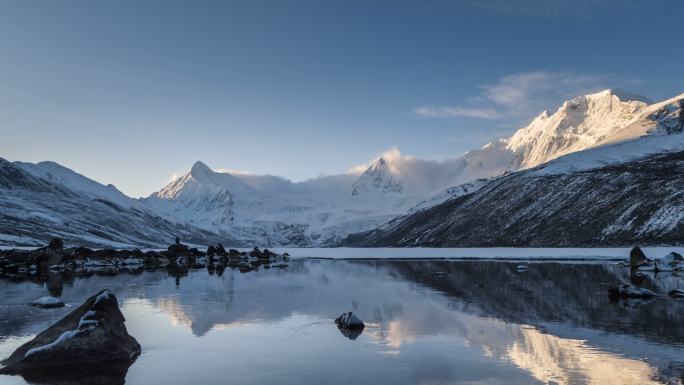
47, 302
522, 268
629, 291
93, 335
676, 293
349, 320
637, 257
439, 273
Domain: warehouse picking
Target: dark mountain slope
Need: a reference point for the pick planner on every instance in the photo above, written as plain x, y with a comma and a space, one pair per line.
639, 201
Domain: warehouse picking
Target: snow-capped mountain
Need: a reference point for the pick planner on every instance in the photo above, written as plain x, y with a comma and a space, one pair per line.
268, 211
578, 124
377, 179
587, 132
625, 189
44, 200
202, 196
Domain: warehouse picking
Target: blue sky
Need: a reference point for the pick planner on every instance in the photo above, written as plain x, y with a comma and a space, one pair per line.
131, 92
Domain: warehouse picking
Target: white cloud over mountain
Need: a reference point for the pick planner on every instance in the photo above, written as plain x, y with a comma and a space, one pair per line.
523, 95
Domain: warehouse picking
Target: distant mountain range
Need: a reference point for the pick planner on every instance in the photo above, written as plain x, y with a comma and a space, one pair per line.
601, 170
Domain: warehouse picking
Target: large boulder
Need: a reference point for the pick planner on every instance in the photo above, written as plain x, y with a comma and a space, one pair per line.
93, 335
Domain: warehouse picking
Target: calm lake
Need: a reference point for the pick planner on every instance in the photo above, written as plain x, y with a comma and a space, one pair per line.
476, 322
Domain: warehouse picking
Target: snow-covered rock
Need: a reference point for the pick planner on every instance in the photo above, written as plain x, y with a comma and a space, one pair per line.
92, 334
670, 262
48, 302
629, 291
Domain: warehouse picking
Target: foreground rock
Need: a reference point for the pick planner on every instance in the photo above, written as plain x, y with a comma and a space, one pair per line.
47, 302
676, 293
93, 335
629, 291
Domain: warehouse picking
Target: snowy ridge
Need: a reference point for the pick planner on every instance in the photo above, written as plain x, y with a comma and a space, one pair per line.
41, 201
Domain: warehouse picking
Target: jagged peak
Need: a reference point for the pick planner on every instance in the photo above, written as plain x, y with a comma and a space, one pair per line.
379, 164
200, 167
621, 95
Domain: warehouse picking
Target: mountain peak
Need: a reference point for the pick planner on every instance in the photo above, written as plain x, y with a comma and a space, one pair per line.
200, 167
378, 178
620, 94
378, 165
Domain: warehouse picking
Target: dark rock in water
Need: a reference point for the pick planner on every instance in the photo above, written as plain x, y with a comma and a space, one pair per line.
629, 291
47, 302
97, 375
349, 320
93, 335
676, 293
220, 250
352, 334
637, 257
177, 249
50, 255
83, 253
211, 251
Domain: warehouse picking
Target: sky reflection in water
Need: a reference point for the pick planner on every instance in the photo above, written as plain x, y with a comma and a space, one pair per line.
484, 323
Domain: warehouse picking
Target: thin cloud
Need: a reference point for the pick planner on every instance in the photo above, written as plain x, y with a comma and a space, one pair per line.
533, 90
525, 94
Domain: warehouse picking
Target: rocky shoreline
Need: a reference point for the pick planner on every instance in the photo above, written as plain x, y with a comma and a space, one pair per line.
55, 258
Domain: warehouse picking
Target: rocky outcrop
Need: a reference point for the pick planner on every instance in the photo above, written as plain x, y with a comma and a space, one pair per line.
94, 334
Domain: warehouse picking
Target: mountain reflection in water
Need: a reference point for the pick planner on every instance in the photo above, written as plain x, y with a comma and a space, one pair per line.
475, 322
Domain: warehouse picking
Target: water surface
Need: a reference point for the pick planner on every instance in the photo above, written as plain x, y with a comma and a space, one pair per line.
483, 322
